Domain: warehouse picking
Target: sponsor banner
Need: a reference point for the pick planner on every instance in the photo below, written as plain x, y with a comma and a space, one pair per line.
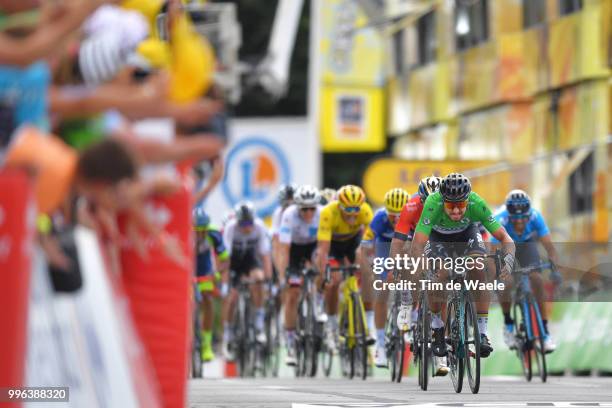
85, 341
384, 174
158, 289
352, 54
17, 216
352, 79
261, 156
352, 119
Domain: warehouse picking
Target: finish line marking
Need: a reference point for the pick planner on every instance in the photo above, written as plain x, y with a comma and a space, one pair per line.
563, 404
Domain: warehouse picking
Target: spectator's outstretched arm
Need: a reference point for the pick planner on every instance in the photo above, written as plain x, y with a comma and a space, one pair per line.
213, 181
197, 147
45, 39
133, 101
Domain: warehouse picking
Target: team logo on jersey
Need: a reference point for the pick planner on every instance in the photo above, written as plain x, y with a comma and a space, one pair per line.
426, 221
255, 169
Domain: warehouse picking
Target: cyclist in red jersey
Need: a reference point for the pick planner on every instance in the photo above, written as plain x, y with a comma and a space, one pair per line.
409, 218
404, 230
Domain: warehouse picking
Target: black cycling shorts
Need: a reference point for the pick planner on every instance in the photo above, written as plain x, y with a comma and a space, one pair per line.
299, 254
345, 249
466, 242
241, 264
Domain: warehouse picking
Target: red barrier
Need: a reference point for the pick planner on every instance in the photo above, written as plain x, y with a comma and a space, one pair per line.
159, 290
16, 236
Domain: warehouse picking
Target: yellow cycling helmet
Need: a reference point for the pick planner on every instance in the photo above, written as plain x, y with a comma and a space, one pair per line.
351, 196
396, 199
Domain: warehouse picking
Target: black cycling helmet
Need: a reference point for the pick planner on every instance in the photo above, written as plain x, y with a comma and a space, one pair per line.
455, 187
428, 186
518, 203
245, 212
286, 193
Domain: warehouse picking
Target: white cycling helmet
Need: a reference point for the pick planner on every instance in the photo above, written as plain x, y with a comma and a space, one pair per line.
307, 196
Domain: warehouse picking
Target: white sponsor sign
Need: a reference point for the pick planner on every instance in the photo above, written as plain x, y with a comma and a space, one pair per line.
262, 155
80, 340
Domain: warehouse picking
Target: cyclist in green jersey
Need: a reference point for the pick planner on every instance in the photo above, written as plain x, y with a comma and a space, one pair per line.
448, 229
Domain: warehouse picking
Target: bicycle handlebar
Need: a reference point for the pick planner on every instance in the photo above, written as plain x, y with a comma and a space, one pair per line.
344, 269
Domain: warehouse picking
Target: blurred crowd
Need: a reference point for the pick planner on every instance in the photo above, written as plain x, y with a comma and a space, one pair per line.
97, 97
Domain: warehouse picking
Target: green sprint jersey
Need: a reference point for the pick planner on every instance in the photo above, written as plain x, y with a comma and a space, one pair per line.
434, 217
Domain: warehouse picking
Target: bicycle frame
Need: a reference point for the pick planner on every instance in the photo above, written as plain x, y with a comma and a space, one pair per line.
522, 294
349, 289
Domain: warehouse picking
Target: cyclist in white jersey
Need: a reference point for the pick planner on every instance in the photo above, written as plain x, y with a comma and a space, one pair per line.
246, 238
285, 199
297, 244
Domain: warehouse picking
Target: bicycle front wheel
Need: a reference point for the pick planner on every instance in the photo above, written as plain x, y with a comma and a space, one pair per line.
424, 346
472, 346
310, 346
361, 341
537, 329
455, 356
523, 345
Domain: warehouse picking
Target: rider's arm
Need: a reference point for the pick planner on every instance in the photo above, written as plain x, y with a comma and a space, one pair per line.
324, 235
276, 221
283, 245
402, 229
264, 249
222, 256
550, 249
323, 251
544, 235
215, 178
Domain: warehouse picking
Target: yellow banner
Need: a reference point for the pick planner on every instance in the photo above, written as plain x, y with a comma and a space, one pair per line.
352, 80
351, 52
352, 119
384, 174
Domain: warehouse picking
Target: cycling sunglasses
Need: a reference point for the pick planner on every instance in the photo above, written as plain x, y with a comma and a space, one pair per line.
307, 209
449, 205
244, 224
517, 217
350, 210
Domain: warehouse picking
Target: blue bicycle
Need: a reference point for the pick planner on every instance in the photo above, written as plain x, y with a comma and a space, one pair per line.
529, 331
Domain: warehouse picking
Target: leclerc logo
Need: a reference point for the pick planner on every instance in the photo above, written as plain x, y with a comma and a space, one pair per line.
255, 170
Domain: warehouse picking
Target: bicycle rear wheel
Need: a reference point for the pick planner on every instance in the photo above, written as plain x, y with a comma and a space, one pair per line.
523, 345
455, 356
472, 346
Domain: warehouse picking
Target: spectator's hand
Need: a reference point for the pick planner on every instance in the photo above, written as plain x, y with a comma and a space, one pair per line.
162, 185
54, 253
217, 171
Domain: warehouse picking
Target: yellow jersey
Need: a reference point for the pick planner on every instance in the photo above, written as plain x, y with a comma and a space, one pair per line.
332, 226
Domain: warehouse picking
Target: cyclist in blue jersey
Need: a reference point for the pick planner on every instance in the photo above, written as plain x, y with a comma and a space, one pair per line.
208, 240
376, 243
526, 227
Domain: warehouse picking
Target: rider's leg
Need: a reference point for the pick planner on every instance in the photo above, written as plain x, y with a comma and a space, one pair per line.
367, 292
227, 312
476, 249
207, 325
257, 295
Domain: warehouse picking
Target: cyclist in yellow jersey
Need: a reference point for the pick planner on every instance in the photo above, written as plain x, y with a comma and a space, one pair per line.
341, 226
